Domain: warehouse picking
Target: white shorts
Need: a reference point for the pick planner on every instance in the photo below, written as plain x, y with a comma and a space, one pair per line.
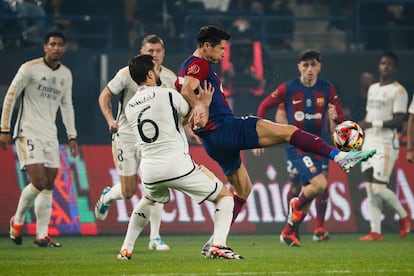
201, 184
35, 151
383, 161
126, 157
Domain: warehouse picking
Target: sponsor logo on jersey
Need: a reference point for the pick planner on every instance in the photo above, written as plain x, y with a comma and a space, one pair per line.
300, 116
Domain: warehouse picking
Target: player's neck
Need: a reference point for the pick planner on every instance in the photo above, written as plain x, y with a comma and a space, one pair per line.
54, 64
308, 83
386, 81
199, 53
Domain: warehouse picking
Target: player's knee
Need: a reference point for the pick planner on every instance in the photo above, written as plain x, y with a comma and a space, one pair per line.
41, 183
129, 193
50, 185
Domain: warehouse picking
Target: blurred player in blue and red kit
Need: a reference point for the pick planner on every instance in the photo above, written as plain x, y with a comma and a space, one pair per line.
312, 104
225, 135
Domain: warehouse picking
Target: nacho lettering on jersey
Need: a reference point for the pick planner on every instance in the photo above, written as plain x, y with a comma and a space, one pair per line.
201, 69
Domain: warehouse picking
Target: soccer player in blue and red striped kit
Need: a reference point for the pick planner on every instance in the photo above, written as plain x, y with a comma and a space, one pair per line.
225, 135
312, 104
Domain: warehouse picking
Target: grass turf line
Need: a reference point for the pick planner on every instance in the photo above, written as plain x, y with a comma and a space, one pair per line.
264, 255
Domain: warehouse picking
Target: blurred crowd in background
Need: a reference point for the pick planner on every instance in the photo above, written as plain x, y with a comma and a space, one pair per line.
121, 24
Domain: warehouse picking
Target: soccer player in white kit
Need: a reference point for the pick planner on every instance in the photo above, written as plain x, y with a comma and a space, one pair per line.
386, 108
124, 147
155, 115
45, 86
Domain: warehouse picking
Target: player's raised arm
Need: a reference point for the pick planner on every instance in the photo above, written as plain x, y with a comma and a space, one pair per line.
106, 108
199, 112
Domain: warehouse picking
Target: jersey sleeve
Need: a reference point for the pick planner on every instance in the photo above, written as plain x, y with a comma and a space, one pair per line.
401, 100
198, 69
67, 110
182, 106
334, 99
18, 84
273, 100
118, 83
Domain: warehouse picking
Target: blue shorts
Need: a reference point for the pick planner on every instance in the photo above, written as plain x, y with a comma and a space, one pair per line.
232, 135
304, 167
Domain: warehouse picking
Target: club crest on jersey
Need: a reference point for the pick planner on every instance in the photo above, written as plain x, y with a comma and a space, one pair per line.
62, 82
193, 69
320, 101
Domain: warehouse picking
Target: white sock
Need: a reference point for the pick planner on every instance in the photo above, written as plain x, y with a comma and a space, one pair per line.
222, 220
26, 200
114, 194
139, 219
155, 221
391, 199
375, 208
43, 211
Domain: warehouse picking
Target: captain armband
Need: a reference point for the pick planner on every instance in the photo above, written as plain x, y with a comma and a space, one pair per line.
71, 138
5, 130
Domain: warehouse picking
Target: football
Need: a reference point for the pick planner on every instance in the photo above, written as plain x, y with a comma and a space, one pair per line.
347, 136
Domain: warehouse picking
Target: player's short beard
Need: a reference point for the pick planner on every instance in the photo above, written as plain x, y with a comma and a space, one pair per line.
158, 82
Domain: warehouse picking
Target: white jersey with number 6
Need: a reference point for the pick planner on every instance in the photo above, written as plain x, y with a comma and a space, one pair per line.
154, 114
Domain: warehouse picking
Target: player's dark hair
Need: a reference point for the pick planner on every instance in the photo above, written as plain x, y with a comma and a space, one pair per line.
139, 67
392, 56
212, 35
152, 39
310, 54
54, 34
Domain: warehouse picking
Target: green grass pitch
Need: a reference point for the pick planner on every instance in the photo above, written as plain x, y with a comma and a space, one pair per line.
343, 254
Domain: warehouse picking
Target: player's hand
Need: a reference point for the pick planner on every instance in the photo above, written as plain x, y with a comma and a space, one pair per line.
258, 151
410, 156
113, 126
205, 95
74, 148
199, 115
5, 140
333, 115
195, 139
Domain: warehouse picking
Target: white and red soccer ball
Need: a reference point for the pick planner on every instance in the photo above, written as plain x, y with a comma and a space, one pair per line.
348, 135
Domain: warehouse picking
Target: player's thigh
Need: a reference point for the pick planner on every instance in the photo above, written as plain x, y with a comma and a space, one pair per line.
35, 151
271, 133
125, 157
200, 185
158, 192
